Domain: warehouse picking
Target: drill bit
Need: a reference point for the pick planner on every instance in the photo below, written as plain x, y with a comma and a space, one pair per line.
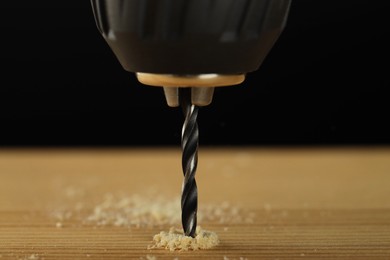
189, 143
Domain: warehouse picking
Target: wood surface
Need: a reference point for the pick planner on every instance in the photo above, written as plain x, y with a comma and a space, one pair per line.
308, 203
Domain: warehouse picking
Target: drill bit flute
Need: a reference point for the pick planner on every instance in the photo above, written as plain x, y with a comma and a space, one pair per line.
190, 141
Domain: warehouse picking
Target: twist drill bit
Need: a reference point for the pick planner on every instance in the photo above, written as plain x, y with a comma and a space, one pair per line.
189, 142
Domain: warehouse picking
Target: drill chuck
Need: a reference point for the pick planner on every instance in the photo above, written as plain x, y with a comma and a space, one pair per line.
191, 37
190, 43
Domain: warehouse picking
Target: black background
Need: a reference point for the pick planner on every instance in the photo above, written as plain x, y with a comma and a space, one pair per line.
325, 82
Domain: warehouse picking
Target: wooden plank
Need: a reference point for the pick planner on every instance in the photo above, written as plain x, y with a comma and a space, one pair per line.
288, 203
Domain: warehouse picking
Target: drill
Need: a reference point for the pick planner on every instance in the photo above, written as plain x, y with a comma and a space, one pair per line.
189, 47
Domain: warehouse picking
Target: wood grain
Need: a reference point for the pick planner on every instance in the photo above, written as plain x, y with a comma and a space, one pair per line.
308, 203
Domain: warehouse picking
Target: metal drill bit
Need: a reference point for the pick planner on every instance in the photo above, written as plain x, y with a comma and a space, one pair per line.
189, 143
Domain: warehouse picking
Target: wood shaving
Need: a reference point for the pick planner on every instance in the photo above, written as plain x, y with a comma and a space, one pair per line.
136, 211
152, 211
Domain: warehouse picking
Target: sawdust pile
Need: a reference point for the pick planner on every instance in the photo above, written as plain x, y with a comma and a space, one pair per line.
175, 240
